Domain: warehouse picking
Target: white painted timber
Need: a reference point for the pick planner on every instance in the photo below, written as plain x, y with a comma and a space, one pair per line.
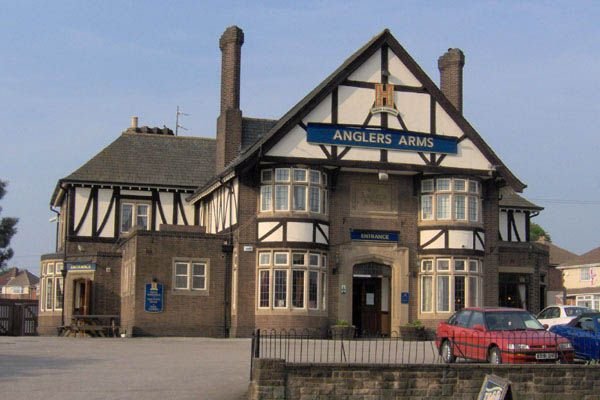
104, 196
264, 227
479, 246
460, 239
370, 70
321, 113
399, 73
503, 225
427, 235
294, 144
81, 198
299, 232
188, 210
166, 202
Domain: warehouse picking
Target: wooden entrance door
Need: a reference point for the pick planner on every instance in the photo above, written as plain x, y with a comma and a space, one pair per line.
82, 297
366, 307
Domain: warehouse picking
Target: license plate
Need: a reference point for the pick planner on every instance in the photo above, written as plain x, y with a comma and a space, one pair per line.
546, 356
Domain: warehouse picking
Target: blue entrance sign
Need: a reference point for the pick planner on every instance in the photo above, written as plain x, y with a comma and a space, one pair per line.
404, 297
380, 138
153, 301
375, 236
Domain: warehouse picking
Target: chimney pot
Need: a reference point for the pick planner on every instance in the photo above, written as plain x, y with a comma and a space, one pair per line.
134, 122
451, 76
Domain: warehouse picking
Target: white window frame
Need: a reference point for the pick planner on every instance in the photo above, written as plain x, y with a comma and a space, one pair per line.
279, 253
276, 206
263, 195
279, 180
585, 275
56, 296
427, 186
134, 215
432, 297
302, 170
431, 215
269, 288
286, 304
265, 172
260, 260
189, 274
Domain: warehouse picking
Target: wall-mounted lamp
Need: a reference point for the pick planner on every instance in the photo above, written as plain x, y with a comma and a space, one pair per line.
383, 176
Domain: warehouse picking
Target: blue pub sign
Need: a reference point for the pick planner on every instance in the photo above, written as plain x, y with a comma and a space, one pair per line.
153, 302
374, 236
380, 138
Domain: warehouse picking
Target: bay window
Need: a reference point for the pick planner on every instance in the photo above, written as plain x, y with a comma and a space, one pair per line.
447, 199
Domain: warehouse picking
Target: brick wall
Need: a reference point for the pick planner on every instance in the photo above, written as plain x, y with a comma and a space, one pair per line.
185, 313
490, 261
274, 379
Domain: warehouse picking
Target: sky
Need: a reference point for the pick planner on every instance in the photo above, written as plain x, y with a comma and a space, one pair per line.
72, 73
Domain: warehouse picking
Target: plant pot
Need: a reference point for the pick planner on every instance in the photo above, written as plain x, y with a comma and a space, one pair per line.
413, 333
342, 332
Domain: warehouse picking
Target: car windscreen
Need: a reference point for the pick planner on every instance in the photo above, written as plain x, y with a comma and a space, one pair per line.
511, 321
575, 311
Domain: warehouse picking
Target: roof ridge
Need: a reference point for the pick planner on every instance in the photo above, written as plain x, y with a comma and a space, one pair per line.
154, 135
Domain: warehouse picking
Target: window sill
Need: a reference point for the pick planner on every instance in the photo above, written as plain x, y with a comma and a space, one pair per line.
186, 292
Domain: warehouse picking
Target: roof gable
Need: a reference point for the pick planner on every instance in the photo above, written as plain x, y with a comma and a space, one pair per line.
591, 257
415, 89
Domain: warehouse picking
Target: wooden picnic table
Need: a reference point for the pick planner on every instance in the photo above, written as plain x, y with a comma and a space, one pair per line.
93, 325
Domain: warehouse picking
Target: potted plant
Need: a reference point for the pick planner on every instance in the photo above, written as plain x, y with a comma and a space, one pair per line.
342, 330
413, 331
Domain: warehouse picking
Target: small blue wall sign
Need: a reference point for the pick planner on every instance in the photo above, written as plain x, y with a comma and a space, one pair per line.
153, 302
404, 297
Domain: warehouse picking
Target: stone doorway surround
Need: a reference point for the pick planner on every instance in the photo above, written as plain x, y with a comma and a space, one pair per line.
384, 253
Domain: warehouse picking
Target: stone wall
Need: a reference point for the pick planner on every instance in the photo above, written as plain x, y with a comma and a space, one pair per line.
274, 379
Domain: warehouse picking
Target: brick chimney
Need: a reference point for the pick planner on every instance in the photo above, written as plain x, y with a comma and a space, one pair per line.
229, 123
451, 76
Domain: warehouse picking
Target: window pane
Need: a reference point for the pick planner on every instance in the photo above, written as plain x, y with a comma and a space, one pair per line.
443, 293
473, 291
324, 201
142, 216
442, 206
473, 187
443, 184
281, 258
443, 265
298, 289
299, 203
299, 175
49, 294
427, 186
266, 175
459, 293
313, 260
473, 215
427, 265
313, 279
181, 269
472, 265
324, 261
280, 289
264, 289
459, 265
315, 177
282, 175
181, 282
264, 258
427, 294
427, 207
315, 199
460, 185
298, 259
323, 291
198, 282
266, 198
459, 207
126, 217
198, 269
58, 300
281, 198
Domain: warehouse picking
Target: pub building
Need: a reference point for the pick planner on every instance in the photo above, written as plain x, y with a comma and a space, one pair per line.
373, 200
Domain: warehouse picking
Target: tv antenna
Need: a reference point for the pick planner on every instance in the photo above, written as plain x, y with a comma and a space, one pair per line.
177, 126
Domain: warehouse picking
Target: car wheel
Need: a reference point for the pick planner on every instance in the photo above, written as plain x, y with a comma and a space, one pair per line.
494, 356
446, 352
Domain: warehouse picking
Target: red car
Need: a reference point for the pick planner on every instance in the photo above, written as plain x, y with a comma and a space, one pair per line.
500, 335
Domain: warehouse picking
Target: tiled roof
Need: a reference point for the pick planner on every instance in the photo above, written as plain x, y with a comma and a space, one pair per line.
24, 278
153, 159
255, 128
510, 199
558, 255
591, 257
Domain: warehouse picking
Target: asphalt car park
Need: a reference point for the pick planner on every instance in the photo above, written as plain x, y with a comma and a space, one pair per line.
51, 368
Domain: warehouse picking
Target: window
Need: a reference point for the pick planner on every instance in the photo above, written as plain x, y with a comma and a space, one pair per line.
291, 279
450, 199
426, 293
449, 287
190, 276
134, 215
58, 293
280, 290
49, 294
443, 293
584, 274
265, 283
293, 189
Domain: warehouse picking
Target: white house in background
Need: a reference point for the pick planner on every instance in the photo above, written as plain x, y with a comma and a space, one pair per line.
581, 276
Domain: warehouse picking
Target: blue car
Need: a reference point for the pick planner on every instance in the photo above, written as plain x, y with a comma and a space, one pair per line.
584, 334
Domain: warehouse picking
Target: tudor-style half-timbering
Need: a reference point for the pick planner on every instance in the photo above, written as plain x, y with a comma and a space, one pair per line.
218, 211
515, 213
